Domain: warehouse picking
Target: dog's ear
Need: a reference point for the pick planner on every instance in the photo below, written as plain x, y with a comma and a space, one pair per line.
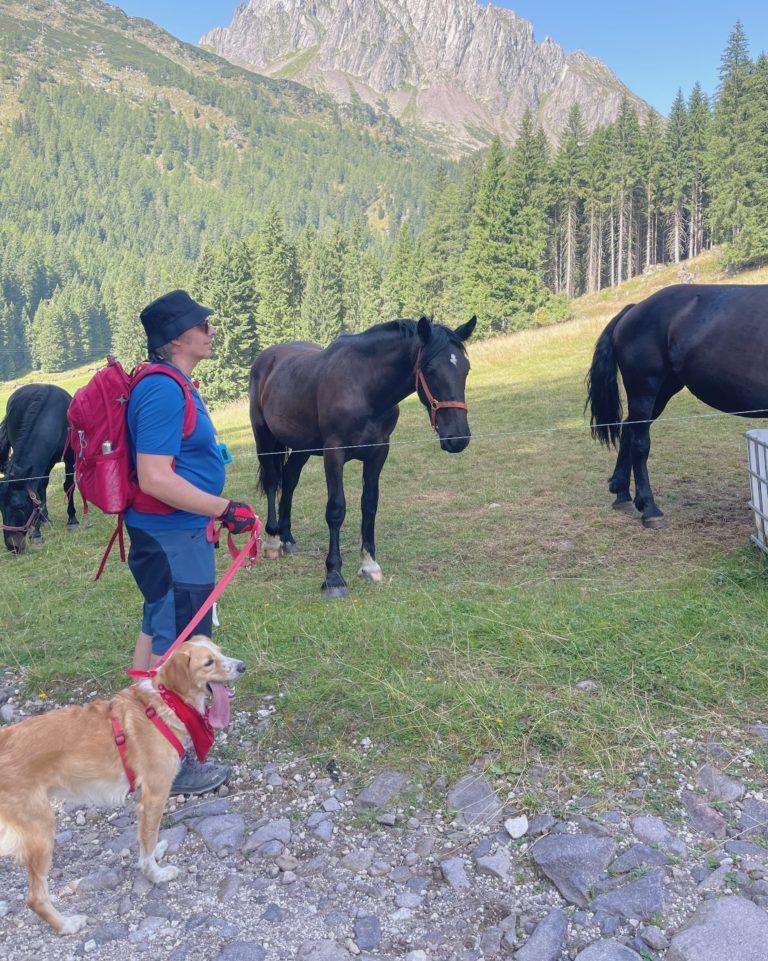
174, 674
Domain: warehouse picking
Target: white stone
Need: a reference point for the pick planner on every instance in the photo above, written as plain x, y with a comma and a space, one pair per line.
516, 827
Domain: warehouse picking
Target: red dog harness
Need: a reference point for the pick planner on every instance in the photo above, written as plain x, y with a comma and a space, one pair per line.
160, 724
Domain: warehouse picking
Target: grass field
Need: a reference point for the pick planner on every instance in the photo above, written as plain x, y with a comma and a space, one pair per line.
508, 579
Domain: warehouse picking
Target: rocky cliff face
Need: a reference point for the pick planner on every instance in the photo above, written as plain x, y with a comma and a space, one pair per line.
455, 65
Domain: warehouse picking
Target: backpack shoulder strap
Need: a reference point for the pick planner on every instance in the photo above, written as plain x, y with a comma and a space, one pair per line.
190, 411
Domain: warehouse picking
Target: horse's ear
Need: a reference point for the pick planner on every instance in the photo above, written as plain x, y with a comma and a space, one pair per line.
465, 331
424, 329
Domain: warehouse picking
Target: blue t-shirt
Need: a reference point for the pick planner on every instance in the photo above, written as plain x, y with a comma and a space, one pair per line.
155, 418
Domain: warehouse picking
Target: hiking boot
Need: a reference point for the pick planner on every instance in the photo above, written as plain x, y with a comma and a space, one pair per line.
196, 777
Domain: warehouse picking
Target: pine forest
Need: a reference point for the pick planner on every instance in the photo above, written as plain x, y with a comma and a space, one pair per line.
328, 221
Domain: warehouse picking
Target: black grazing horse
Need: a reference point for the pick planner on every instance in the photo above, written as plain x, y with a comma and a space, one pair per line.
33, 433
712, 339
341, 403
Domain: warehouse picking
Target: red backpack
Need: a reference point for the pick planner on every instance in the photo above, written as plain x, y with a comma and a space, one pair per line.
98, 435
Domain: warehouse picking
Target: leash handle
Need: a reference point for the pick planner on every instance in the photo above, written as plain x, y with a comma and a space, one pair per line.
247, 556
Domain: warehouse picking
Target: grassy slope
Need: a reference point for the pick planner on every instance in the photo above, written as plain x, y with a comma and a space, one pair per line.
508, 580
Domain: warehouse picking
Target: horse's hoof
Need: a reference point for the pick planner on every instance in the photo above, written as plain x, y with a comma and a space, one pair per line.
328, 592
371, 575
271, 546
290, 547
654, 523
73, 527
36, 542
626, 507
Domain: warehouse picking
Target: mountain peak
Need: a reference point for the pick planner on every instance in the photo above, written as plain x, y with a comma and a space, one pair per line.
466, 69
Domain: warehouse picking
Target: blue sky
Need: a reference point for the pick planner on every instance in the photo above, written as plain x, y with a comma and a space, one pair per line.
664, 45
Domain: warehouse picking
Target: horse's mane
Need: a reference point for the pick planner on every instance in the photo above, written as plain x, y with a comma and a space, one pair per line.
369, 340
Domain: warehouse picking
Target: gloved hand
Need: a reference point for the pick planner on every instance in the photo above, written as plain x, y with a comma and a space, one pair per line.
238, 518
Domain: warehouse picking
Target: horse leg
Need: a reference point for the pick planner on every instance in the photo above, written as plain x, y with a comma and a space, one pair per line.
271, 454
646, 408
334, 584
291, 473
35, 534
619, 482
69, 490
369, 502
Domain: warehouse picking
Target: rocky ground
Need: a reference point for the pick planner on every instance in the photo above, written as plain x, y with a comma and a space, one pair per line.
295, 862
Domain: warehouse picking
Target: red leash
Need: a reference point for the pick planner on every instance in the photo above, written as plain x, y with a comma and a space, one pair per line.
197, 725
247, 556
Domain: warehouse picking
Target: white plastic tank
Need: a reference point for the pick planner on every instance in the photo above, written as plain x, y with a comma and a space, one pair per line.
757, 448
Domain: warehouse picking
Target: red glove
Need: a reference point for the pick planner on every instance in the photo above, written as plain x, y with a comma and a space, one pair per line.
238, 518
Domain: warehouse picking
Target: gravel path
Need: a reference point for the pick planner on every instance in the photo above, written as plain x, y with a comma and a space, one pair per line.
288, 862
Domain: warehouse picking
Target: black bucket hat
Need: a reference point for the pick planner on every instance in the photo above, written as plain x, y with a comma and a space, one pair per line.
170, 315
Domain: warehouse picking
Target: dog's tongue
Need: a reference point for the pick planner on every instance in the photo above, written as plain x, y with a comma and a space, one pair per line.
219, 712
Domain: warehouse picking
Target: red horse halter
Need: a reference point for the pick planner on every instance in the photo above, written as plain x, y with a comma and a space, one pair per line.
434, 404
35, 511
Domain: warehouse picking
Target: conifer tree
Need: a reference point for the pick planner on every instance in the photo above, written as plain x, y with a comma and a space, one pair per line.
525, 226
596, 203
397, 286
624, 168
229, 292
442, 243
371, 306
677, 180
322, 306
14, 356
486, 286
338, 252
652, 167
569, 179
728, 153
51, 345
354, 279
277, 283
750, 245
699, 119
129, 341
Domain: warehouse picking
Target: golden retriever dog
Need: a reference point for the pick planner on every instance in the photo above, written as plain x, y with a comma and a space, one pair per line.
71, 753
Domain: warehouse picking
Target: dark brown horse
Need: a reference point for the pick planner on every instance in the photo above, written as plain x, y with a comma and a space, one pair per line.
341, 403
712, 339
32, 438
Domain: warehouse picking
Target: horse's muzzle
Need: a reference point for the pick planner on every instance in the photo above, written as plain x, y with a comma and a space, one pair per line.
454, 445
16, 543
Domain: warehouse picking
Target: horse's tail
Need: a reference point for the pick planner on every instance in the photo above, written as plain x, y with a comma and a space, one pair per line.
603, 398
271, 453
5, 444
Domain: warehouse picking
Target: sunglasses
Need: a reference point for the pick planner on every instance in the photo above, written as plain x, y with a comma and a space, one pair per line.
205, 327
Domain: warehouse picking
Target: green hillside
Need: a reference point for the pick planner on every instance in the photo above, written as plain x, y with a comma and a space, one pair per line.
123, 151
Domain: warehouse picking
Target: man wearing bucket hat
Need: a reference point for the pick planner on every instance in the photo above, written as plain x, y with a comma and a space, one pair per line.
171, 558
